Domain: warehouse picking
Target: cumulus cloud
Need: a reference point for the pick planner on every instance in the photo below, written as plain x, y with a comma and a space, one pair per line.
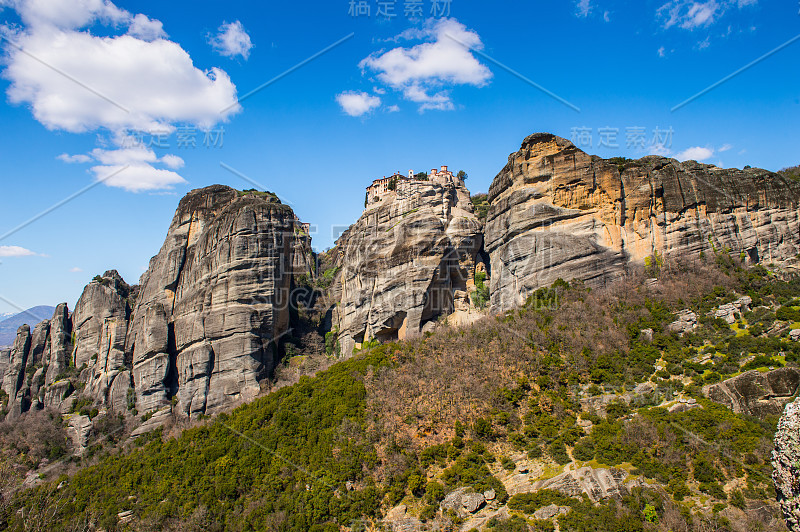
146, 29
134, 169
232, 40
696, 153
662, 52
73, 80
423, 73
16, 251
356, 103
75, 270
692, 14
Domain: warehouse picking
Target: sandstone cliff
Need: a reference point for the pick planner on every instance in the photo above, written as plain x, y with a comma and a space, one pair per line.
558, 212
409, 260
214, 303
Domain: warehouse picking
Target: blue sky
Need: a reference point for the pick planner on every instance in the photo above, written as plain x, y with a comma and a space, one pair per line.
401, 93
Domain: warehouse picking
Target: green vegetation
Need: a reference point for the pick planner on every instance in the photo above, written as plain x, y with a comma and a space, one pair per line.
408, 422
271, 197
792, 173
480, 296
481, 204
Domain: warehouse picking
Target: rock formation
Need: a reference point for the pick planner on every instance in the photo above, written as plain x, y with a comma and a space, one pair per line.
786, 465
14, 379
214, 303
557, 212
755, 393
597, 484
101, 326
407, 261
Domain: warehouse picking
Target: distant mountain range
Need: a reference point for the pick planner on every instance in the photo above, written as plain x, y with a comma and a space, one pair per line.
32, 316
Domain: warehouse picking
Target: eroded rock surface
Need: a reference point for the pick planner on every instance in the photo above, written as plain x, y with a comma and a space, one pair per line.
214, 302
755, 393
597, 484
786, 465
407, 261
557, 212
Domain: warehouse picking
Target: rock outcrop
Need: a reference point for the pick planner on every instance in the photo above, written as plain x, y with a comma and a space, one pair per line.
597, 484
14, 383
557, 212
409, 260
214, 302
786, 465
60, 344
101, 326
756, 394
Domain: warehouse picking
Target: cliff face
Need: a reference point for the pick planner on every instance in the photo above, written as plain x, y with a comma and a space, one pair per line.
214, 302
558, 212
407, 261
204, 330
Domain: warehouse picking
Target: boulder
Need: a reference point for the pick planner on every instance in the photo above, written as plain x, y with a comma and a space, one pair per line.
685, 322
726, 312
756, 394
794, 335
79, 428
550, 511
463, 501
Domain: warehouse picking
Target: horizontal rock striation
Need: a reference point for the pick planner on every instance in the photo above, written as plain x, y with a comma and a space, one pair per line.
756, 394
409, 260
557, 212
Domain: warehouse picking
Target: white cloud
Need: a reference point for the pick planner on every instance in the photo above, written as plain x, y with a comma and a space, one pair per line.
68, 14
662, 52
422, 72
393, 109
696, 153
705, 43
357, 103
75, 270
137, 177
606, 16
584, 7
79, 158
132, 169
692, 14
16, 251
232, 40
725, 147
75, 81
659, 149
146, 29
151, 84
172, 161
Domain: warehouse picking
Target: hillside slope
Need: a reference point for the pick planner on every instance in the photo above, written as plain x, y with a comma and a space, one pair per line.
584, 407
